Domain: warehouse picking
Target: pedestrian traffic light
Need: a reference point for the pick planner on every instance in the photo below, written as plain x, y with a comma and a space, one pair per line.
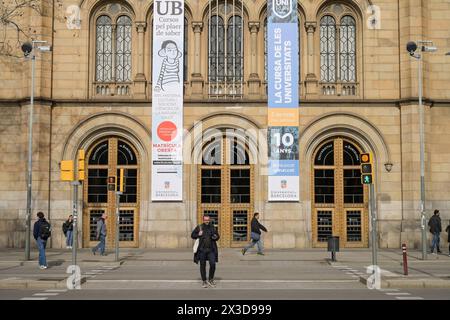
67, 170
111, 183
366, 168
81, 173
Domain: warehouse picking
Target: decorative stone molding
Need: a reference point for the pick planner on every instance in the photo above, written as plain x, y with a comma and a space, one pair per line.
310, 26
141, 26
197, 26
253, 26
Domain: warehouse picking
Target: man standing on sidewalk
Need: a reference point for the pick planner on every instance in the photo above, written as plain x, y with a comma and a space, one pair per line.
101, 235
255, 235
41, 233
435, 229
207, 249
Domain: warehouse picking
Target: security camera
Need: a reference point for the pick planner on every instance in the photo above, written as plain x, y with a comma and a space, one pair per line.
27, 47
411, 47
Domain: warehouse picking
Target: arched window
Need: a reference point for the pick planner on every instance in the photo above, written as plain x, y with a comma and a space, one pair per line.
347, 49
103, 61
125, 154
123, 52
234, 48
99, 156
328, 49
338, 47
113, 44
225, 49
216, 49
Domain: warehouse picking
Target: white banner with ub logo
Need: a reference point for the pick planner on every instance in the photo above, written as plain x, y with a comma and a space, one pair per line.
167, 100
283, 102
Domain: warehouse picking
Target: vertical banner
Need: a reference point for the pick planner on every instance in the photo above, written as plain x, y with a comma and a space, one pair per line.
167, 100
283, 131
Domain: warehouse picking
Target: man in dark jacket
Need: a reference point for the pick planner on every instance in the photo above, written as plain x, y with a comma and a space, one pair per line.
41, 231
435, 229
255, 235
207, 249
101, 235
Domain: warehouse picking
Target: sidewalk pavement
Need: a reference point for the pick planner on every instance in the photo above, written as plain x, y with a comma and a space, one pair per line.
174, 268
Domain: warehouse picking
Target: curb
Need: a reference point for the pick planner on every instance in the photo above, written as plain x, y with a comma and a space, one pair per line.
11, 264
37, 284
410, 283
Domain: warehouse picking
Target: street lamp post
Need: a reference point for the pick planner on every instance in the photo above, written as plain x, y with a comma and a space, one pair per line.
411, 47
27, 49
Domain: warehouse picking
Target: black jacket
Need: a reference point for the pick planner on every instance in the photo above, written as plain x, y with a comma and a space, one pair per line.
208, 231
435, 224
448, 232
37, 228
67, 226
257, 227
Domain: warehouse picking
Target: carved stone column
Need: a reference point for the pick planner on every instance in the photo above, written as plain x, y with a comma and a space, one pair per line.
197, 79
254, 83
139, 80
311, 82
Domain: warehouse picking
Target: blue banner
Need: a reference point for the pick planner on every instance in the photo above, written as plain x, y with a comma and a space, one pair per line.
283, 116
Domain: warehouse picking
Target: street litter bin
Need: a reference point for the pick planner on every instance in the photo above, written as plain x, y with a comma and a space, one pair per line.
333, 246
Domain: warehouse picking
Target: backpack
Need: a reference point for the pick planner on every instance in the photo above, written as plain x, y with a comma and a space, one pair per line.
45, 230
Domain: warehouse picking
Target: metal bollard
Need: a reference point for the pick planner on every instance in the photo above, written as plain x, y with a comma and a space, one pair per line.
405, 260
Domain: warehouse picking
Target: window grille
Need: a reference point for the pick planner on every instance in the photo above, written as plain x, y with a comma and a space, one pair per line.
225, 49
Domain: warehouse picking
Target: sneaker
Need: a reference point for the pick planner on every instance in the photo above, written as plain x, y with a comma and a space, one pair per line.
260, 253
45, 267
243, 251
205, 284
212, 283
42, 267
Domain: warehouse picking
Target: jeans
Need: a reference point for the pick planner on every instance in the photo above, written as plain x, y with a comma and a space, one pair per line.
211, 257
258, 243
101, 245
41, 246
69, 238
435, 241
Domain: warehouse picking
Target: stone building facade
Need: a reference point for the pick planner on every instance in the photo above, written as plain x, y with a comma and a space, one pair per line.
358, 96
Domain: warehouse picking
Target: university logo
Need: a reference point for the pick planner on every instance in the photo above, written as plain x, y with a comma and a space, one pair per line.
283, 184
167, 184
282, 8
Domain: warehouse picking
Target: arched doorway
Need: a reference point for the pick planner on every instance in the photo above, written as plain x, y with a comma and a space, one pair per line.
225, 182
105, 159
339, 200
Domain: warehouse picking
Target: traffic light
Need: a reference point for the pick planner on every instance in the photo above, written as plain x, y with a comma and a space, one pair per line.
81, 174
111, 183
366, 168
67, 170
